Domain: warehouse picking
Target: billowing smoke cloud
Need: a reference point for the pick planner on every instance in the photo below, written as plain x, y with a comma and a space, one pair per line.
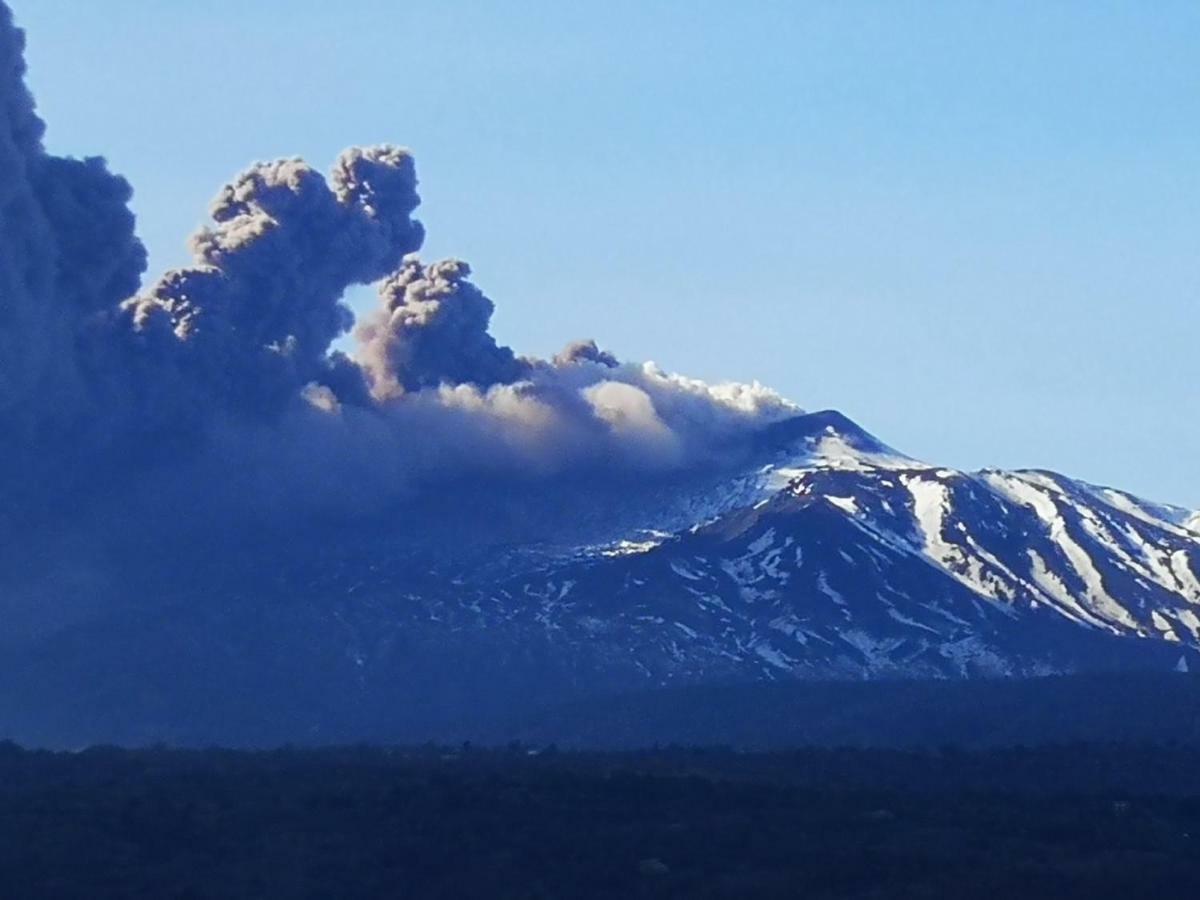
68, 256
432, 330
217, 383
254, 319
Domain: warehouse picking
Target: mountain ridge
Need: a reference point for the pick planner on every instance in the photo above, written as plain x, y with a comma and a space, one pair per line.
826, 555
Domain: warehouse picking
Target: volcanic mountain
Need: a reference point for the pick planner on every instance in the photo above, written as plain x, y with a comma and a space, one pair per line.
827, 555
234, 512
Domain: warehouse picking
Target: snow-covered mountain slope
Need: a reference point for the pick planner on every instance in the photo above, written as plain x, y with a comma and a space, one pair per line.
850, 559
827, 555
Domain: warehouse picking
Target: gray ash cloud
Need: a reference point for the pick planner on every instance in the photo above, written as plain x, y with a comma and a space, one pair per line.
214, 391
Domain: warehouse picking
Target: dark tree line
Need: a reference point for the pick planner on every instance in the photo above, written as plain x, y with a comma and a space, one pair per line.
1081, 821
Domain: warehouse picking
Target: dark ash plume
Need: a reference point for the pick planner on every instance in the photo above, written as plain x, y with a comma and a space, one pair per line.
585, 351
257, 315
432, 329
68, 255
212, 395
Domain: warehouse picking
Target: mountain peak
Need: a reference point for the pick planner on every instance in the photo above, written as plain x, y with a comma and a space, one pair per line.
828, 555
809, 428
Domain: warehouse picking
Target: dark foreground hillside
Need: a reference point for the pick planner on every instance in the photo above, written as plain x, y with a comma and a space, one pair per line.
1126, 707
1087, 821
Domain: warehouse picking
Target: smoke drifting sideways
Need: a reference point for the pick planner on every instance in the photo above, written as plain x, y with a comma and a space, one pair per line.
214, 392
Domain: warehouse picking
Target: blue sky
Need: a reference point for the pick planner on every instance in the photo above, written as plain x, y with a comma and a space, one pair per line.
972, 226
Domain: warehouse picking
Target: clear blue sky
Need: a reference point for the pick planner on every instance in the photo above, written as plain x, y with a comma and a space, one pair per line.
972, 226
